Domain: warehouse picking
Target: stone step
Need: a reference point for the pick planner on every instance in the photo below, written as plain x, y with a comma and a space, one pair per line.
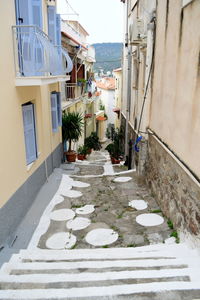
159, 250
95, 264
100, 291
96, 276
90, 270
83, 273
75, 284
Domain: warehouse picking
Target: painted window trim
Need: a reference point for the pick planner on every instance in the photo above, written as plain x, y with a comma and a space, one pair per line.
29, 163
58, 109
29, 166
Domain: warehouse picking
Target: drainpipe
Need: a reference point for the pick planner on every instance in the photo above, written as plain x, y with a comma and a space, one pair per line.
128, 96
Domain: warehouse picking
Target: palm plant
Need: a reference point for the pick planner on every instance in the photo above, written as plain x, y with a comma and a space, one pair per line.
72, 127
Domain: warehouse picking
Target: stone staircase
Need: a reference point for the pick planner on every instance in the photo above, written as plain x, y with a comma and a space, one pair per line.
104, 273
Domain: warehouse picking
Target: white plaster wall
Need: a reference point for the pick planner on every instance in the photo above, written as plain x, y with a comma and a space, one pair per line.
141, 56
108, 99
175, 111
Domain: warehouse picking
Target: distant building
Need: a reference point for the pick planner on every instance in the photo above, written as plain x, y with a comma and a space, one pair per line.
106, 103
118, 95
78, 94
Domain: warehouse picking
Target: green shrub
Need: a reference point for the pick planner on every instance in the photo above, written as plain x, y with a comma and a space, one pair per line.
92, 142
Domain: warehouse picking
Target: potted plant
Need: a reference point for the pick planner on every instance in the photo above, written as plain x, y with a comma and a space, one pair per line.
82, 152
82, 83
92, 142
115, 148
72, 126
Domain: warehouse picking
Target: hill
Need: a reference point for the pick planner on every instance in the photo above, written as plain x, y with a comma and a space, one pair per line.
108, 56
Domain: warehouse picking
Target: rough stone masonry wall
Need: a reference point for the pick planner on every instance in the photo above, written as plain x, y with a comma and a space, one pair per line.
175, 189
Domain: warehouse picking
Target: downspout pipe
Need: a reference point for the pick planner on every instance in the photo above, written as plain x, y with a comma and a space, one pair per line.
126, 74
128, 80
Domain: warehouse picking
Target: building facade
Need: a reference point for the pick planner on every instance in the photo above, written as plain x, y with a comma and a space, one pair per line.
30, 111
161, 104
118, 95
106, 105
78, 94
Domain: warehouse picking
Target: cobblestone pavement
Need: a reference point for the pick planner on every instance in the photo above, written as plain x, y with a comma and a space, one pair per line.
95, 197
112, 211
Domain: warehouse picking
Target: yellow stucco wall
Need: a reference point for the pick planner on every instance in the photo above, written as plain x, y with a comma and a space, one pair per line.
13, 170
175, 109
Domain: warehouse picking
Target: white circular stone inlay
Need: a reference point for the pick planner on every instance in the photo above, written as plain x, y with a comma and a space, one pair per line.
78, 223
58, 199
62, 214
138, 204
149, 220
80, 184
122, 179
64, 188
101, 237
61, 240
71, 194
87, 209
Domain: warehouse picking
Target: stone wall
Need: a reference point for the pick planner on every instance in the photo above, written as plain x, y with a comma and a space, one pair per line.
175, 189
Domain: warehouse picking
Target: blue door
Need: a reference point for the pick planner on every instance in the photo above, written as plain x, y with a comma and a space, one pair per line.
29, 12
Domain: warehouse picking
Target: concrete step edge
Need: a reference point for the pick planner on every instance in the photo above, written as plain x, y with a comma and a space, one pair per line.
126, 289
87, 276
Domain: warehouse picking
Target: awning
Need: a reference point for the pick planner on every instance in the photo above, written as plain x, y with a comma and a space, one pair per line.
101, 118
68, 60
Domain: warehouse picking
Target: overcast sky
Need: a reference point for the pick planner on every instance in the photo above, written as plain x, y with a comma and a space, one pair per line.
102, 19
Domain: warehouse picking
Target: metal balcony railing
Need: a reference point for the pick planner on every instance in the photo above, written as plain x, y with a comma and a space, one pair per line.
73, 91
36, 55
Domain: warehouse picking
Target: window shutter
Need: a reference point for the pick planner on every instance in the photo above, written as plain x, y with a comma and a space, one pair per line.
23, 12
59, 109
52, 23
29, 133
29, 12
37, 13
54, 112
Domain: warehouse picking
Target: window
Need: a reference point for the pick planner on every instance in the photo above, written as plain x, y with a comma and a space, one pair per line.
29, 132
56, 111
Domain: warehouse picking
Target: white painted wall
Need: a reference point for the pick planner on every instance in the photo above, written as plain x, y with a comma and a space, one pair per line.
108, 100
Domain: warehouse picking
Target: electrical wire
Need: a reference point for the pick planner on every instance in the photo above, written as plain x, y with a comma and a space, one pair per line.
71, 8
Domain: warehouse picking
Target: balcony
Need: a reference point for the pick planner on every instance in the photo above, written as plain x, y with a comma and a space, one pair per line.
75, 36
37, 60
73, 92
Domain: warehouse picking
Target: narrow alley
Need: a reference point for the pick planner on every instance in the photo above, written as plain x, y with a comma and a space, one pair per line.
102, 236
100, 143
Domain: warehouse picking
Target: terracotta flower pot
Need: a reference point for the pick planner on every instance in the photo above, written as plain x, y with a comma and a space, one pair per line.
81, 156
71, 156
115, 161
